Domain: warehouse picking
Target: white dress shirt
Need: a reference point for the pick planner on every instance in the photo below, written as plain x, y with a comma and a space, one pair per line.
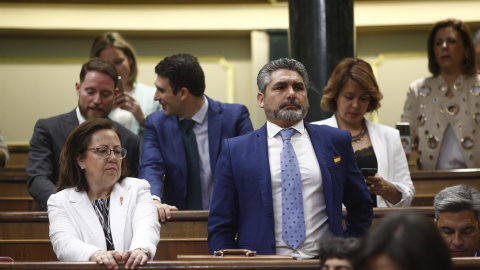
200, 128
80, 117
315, 212
450, 156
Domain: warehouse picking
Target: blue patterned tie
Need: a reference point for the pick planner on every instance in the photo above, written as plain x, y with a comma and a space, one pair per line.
292, 199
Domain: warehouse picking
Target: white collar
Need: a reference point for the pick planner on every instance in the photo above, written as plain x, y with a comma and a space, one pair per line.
273, 129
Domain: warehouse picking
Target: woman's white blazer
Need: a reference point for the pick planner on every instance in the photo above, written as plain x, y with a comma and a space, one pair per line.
76, 232
391, 159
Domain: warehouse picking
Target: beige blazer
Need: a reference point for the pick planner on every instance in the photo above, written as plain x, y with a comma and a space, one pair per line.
391, 159
76, 232
429, 113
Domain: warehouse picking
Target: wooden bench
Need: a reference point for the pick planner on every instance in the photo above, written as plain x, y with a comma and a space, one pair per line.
14, 194
18, 155
24, 235
429, 183
13, 183
470, 263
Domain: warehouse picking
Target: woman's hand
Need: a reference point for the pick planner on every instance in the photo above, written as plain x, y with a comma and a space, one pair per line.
110, 259
129, 103
379, 186
134, 258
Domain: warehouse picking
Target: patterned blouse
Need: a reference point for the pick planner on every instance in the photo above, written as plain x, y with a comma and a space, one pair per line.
102, 208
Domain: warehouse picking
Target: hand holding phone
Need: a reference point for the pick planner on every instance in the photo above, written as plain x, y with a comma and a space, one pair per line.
368, 172
120, 84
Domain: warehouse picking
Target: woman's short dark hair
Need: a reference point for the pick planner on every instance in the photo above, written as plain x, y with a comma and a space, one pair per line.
358, 72
115, 40
409, 239
71, 175
469, 65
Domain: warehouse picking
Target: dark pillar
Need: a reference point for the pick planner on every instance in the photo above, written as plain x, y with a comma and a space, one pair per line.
321, 34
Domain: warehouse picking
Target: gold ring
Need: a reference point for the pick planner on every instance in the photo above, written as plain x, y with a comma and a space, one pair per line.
103, 255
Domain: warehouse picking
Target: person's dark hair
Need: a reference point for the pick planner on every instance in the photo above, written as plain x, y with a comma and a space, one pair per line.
182, 70
469, 65
409, 239
340, 248
100, 65
457, 198
115, 40
71, 175
264, 75
358, 72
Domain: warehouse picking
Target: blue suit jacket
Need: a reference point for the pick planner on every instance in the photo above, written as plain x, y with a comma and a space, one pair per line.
164, 164
242, 193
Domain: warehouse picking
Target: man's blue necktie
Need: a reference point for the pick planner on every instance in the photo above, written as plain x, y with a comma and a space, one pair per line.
292, 199
194, 188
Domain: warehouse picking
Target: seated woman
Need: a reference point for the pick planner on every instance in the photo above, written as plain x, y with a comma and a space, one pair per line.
98, 214
352, 91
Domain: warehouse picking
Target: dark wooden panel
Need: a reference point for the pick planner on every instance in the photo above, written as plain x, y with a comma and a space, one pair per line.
31, 250
18, 156
28, 250
471, 263
253, 264
13, 182
17, 204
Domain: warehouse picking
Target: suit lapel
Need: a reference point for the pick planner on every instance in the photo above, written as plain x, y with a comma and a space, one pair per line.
120, 200
263, 169
215, 118
319, 149
70, 122
84, 209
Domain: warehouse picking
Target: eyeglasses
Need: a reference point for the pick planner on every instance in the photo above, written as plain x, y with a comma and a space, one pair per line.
104, 152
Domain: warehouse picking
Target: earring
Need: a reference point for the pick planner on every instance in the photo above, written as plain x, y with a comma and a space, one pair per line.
83, 168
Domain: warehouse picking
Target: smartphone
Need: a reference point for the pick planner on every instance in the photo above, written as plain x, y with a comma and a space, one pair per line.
368, 171
120, 84
406, 140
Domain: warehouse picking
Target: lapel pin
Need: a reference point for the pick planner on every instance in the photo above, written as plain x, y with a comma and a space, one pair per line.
336, 160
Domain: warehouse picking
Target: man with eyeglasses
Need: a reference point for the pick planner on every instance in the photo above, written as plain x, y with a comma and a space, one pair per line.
96, 92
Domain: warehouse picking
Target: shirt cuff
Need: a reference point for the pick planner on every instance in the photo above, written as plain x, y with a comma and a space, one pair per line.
155, 197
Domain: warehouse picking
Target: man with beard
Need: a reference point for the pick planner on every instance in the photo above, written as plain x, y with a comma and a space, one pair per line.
280, 189
182, 141
96, 92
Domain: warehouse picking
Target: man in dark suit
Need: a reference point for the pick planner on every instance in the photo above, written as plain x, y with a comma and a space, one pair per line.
457, 216
96, 92
280, 189
166, 163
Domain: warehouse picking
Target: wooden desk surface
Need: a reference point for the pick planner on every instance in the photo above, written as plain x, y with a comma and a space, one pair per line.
470, 263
